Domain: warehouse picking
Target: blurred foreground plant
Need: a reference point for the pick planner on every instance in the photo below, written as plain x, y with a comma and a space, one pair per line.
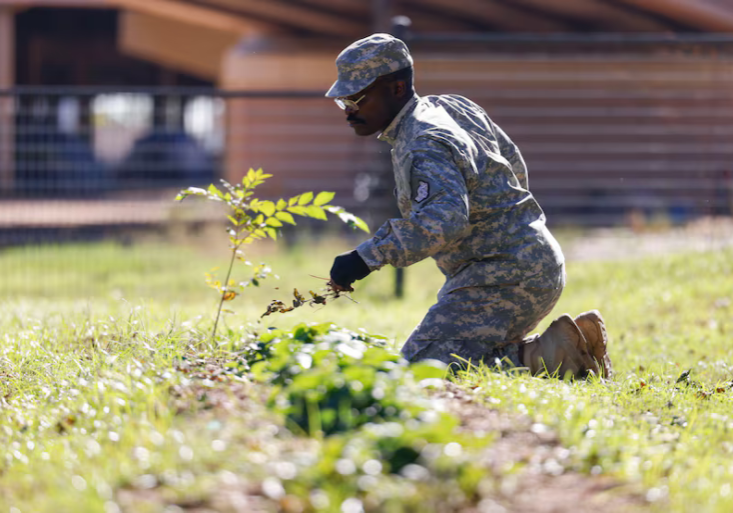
251, 219
329, 380
385, 443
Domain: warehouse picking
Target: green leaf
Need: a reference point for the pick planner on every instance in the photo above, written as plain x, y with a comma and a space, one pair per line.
297, 211
684, 377
428, 369
305, 198
292, 201
251, 176
191, 191
267, 208
353, 221
233, 220
285, 217
271, 221
215, 191
272, 232
323, 198
316, 212
361, 224
281, 204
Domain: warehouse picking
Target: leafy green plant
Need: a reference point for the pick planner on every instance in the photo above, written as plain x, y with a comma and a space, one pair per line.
252, 219
330, 380
384, 442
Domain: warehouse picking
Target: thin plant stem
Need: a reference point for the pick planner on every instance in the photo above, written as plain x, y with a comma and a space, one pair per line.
224, 291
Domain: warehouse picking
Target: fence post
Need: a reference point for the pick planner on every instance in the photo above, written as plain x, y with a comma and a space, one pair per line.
7, 116
381, 11
400, 26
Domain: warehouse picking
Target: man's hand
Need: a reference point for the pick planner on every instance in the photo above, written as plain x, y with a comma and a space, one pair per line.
347, 268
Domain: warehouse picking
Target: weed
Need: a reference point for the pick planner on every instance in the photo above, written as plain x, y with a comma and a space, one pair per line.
252, 219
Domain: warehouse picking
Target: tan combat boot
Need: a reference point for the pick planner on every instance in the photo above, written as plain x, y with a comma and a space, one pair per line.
594, 330
561, 349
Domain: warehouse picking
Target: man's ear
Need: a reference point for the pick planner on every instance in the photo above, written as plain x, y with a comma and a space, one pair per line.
399, 88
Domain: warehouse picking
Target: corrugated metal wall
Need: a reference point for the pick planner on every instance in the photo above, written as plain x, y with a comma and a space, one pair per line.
604, 137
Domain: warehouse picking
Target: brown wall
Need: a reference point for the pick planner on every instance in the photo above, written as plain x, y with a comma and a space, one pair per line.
639, 131
600, 134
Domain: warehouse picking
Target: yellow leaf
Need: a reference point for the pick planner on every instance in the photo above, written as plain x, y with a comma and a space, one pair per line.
285, 216
215, 191
229, 295
323, 198
297, 210
271, 221
353, 221
361, 224
316, 212
267, 208
305, 198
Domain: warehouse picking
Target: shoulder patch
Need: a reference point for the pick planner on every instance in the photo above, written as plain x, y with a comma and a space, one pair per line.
423, 191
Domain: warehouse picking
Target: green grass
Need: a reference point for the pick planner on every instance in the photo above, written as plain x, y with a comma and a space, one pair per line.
94, 413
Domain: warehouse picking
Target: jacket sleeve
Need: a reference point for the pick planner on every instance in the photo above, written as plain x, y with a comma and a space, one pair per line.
438, 215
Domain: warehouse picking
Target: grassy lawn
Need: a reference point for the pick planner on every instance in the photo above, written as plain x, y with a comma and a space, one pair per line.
113, 397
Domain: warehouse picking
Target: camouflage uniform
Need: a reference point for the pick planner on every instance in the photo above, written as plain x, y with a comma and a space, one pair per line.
463, 193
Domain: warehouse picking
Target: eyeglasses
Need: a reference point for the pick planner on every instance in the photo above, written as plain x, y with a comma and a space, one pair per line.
347, 104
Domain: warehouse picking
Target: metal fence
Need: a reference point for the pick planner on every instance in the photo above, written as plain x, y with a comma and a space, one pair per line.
80, 142
605, 139
79, 163
615, 128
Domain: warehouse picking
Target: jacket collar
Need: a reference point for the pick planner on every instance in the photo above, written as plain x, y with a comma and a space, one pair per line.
391, 133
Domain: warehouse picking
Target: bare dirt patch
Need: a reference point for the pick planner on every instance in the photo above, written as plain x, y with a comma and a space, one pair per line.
542, 484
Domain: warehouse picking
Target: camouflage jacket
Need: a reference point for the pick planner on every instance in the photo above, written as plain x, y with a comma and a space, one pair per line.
463, 193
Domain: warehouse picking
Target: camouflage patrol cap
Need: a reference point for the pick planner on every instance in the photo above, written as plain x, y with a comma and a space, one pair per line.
365, 60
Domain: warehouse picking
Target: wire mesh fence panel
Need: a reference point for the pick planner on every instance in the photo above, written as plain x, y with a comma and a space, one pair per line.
81, 158
609, 139
606, 137
82, 142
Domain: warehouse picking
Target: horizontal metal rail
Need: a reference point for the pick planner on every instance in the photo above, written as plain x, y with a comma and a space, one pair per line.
154, 91
574, 38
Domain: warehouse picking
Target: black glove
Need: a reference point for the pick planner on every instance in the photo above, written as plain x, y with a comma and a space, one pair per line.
347, 268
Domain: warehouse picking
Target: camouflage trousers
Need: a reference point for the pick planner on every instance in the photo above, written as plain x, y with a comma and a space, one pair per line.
481, 324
